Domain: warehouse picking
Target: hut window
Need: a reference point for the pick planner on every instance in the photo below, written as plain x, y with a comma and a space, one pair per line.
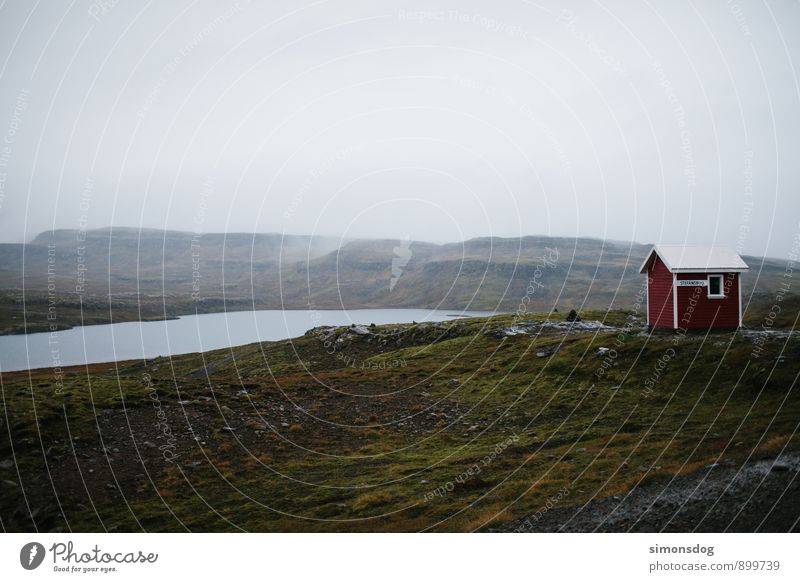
715, 286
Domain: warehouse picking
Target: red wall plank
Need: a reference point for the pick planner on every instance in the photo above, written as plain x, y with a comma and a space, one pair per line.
659, 295
697, 310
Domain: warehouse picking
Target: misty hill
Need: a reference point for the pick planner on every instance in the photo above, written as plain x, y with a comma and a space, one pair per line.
126, 260
274, 271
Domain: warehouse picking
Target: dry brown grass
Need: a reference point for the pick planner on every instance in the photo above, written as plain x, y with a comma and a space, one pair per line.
371, 500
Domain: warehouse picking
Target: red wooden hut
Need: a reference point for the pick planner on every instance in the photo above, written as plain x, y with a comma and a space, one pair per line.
693, 286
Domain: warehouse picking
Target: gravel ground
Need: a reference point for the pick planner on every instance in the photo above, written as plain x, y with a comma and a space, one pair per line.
760, 496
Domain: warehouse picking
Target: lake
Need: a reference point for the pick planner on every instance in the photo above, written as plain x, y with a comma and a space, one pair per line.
92, 344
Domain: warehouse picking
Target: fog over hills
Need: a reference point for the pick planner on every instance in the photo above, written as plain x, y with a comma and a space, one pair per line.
295, 272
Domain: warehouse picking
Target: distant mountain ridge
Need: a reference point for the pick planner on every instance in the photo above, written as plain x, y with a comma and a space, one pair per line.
293, 271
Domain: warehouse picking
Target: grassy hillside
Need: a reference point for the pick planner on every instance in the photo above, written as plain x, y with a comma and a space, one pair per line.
452, 426
127, 274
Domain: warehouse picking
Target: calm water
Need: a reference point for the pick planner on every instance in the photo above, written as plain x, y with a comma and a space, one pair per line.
190, 333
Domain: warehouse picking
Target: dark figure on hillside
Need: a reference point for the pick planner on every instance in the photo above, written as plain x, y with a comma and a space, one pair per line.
573, 315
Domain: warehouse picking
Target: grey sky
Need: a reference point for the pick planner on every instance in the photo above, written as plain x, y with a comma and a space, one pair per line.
435, 120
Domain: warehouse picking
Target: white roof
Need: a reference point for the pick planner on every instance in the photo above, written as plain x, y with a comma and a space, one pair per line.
696, 259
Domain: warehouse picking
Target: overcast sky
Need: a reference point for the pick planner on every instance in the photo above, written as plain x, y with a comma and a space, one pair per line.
437, 121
